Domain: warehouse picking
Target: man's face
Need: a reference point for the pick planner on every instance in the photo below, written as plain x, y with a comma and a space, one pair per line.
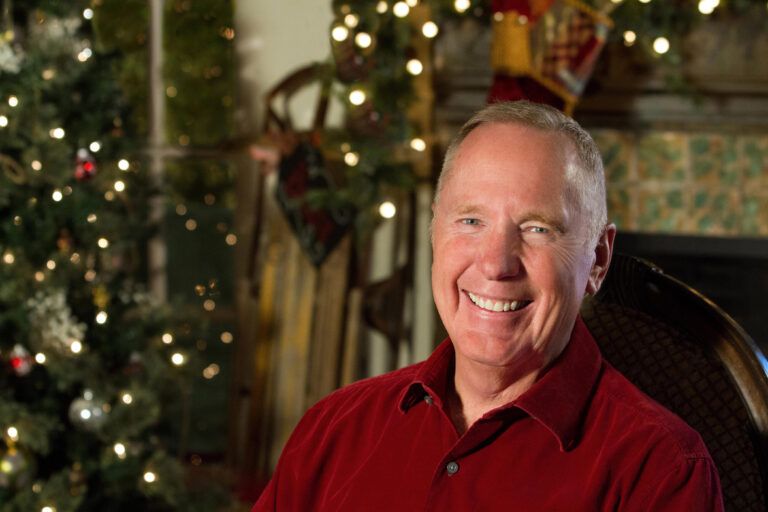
511, 262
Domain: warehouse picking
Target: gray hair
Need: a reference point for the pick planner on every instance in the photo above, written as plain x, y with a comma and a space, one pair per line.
588, 181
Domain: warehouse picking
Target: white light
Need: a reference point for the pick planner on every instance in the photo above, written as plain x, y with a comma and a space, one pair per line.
461, 5
88, 394
3, 121
418, 144
8, 258
351, 20
48, 509
708, 6
387, 209
76, 347
57, 195
616, 1
150, 477
91, 218
644, 1
36, 165
363, 40
101, 317
401, 9
119, 186
357, 97
382, 7
95, 146
414, 66
629, 38
13, 433
50, 264
661, 45
226, 337
13, 101
412, 3
339, 33
103, 243
40, 358
57, 133
85, 414
351, 159
178, 359
123, 165
85, 54
430, 29
167, 338
127, 398
88, 14
119, 450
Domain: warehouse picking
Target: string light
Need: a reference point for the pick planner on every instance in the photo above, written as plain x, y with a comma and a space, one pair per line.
181, 209
708, 6
36, 165
351, 20
103, 243
209, 305
178, 358
412, 3
120, 450
211, 371
91, 218
387, 209
95, 146
339, 33
85, 54
13, 101
363, 40
414, 67
13, 433
57, 133
430, 29
8, 258
109, 195
661, 45
629, 38
644, 1
167, 338
39, 277
48, 508
382, 7
50, 264
127, 398
150, 477
89, 275
102, 317
226, 337
119, 186
3, 121
76, 347
88, 14
40, 358
57, 195
123, 164
401, 9
418, 144
357, 97
191, 224
351, 159
461, 5
231, 239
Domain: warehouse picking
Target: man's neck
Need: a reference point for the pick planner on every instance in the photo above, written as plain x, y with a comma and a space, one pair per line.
477, 389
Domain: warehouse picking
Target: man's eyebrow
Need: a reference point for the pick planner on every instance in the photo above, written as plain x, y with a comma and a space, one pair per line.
468, 209
544, 219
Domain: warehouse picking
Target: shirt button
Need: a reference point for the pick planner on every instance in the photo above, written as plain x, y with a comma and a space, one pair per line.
452, 467
428, 399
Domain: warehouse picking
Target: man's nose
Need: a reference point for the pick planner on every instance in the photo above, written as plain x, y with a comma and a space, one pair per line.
499, 255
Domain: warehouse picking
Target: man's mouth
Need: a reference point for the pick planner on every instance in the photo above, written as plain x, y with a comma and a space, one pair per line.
497, 306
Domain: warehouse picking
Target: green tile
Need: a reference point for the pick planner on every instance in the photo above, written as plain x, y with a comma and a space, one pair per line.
660, 157
615, 147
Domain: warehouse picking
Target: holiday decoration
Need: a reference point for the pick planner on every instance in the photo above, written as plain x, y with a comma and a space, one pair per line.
55, 327
15, 468
545, 50
87, 413
85, 165
21, 360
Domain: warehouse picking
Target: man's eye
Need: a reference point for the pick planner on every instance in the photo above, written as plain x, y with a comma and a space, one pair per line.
538, 229
470, 222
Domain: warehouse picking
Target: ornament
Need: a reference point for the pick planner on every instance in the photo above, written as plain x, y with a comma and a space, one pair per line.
15, 468
54, 326
88, 413
21, 360
85, 165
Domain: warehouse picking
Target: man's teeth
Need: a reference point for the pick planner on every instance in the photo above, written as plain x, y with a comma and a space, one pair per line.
496, 305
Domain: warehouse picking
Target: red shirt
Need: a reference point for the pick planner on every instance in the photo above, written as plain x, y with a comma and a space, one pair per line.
582, 438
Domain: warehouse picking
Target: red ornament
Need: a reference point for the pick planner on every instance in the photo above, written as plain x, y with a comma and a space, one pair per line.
21, 360
85, 165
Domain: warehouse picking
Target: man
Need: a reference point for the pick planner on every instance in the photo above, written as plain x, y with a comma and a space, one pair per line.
516, 410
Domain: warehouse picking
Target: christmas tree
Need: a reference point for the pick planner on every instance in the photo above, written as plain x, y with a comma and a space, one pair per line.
93, 369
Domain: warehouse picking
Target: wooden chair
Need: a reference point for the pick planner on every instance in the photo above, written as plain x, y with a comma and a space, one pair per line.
689, 355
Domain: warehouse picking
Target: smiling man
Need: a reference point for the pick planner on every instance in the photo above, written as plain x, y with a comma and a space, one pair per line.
516, 410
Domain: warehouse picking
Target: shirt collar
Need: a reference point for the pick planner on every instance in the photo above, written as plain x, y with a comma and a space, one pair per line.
558, 400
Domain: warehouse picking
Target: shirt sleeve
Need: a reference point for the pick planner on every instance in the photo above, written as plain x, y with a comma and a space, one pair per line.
692, 485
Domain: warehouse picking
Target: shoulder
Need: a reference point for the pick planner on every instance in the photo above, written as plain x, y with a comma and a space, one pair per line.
637, 417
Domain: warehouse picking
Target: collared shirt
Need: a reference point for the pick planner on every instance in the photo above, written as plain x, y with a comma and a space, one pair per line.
582, 438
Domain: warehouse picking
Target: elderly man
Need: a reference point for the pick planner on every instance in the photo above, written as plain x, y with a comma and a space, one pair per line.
517, 410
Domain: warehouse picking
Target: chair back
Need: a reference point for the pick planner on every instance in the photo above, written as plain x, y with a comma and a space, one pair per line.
690, 356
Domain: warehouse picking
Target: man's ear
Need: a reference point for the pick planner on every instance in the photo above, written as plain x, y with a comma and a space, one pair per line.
603, 253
